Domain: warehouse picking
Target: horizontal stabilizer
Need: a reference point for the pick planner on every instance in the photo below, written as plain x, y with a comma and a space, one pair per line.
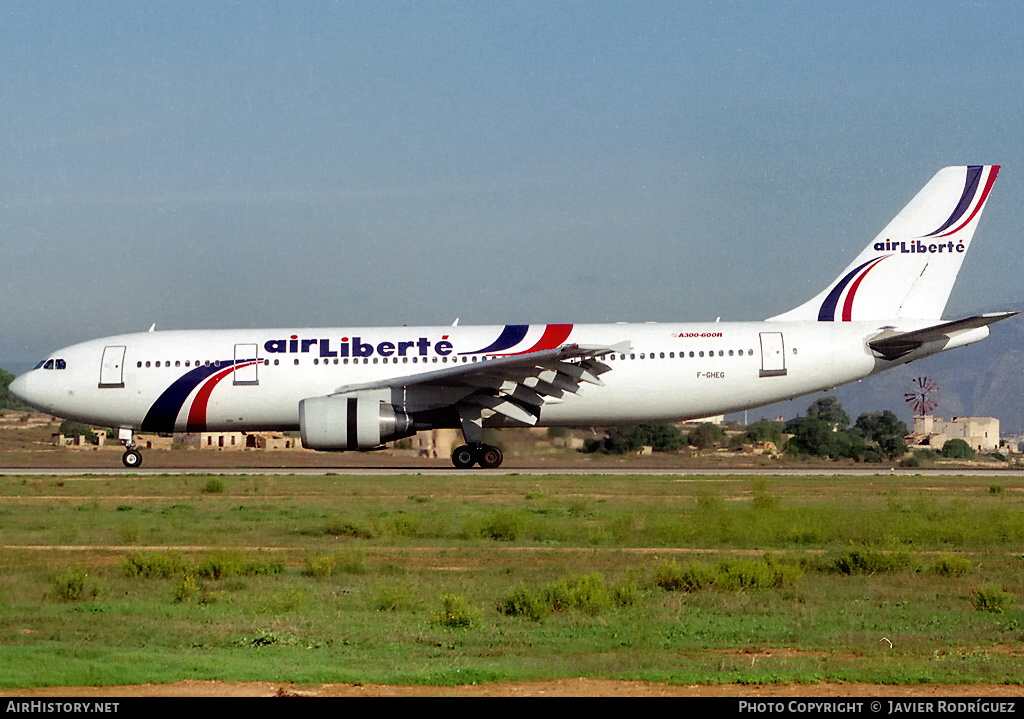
892, 345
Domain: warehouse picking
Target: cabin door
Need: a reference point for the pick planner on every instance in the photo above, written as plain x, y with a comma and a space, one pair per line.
112, 366
246, 364
773, 355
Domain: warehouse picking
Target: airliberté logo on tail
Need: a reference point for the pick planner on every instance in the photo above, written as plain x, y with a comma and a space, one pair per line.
917, 247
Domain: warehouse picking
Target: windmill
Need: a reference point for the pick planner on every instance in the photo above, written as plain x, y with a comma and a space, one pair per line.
922, 396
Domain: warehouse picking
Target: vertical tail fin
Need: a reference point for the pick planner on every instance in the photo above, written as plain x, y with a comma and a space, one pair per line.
908, 271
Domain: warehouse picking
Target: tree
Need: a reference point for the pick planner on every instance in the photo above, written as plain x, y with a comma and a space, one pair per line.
705, 435
829, 411
68, 428
885, 429
811, 436
619, 440
660, 437
765, 431
957, 449
876, 425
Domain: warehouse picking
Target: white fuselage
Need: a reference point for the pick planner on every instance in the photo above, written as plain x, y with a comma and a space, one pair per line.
249, 380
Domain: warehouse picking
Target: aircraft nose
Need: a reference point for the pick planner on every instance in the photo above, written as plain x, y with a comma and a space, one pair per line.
18, 387
25, 389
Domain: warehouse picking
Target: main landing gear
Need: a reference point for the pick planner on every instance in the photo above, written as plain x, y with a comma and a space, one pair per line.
131, 458
487, 456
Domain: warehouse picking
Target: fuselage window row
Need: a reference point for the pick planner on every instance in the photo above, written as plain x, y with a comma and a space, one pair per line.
60, 364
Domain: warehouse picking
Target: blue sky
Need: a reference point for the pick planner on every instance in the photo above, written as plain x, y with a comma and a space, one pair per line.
285, 164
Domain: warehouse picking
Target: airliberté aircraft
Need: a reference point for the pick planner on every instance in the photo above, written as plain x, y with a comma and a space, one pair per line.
357, 388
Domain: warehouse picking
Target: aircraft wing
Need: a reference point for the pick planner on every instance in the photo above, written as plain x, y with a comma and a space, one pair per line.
513, 386
893, 345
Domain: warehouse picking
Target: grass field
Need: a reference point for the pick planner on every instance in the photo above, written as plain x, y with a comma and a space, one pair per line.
129, 579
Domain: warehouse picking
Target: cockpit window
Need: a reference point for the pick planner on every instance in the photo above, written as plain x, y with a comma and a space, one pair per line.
49, 364
52, 364
59, 364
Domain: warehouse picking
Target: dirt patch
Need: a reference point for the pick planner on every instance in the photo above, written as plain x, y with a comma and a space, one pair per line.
553, 688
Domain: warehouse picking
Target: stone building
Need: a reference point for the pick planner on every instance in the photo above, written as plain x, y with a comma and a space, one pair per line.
981, 433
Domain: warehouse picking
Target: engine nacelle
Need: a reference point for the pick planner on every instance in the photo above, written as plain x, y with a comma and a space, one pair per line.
355, 420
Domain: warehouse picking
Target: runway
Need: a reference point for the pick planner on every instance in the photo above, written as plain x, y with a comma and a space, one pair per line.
108, 472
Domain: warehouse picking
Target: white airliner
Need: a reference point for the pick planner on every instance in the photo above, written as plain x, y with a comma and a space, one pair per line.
357, 388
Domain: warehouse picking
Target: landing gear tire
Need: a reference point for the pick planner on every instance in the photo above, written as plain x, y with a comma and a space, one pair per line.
485, 455
132, 459
490, 457
463, 457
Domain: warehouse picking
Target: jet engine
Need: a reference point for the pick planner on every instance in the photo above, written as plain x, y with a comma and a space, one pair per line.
355, 420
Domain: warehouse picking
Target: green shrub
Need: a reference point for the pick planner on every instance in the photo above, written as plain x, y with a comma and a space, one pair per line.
230, 564
672, 576
186, 590
625, 594
213, 486
728, 575
153, 565
585, 592
991, 598
164, 565
403, 525
455, 613
523, 602
70, 585
951, 565
503, 526
996, 489
740, 574
341, 527
281, 601
763, 499
394, 599
868, 561
320, 565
